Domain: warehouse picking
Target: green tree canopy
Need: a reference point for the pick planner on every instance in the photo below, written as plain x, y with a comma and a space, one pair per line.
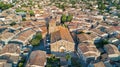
69, 18
68, 56
20, 64
31, 13
63, 18
35, 41
4, 6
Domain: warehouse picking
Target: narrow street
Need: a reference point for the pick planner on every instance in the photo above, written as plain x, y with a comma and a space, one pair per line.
40, 46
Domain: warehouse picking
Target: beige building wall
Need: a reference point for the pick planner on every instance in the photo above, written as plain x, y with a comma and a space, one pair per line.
56, 47
52, 26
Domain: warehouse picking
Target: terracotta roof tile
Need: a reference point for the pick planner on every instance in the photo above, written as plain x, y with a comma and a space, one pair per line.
37, 58
61, 34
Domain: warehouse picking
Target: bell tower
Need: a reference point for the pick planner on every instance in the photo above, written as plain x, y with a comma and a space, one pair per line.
52, 26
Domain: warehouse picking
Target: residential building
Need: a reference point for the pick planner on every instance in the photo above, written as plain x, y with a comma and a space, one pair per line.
2, 18
100, 64
82, 37
100, 33
24, 37
8, 1
4, 63
112, 51
112, 31
11, 53
37, 59
6, 36
87, 52
114, 41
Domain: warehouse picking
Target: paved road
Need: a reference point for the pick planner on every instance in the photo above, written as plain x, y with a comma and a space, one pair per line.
40, 46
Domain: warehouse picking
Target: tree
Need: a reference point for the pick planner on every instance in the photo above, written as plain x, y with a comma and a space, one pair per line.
52, 61
35, 41
31, 13
63, 19
68, 56
72, 2
4, 6
69, 18
20, 64
23, 19
101, 6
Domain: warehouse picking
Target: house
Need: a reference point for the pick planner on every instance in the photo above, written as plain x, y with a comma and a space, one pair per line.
2, 28
99, 17
12, 18
84, 38
1, 23
1, 46
38, 23
87, 52
24, 37
2, 18
43, 17
22, 14
37, 29
7, 1
112, 31
11, 53
114, 41
15, 27
117, 29
4, 63
38, 12
61, 41
37, 59
94, 37
100, 33
112, 51
26, 25
73, 26
100, 64
6, 36
81, 17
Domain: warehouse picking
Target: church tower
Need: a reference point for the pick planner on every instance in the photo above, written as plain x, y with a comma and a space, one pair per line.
52, 26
